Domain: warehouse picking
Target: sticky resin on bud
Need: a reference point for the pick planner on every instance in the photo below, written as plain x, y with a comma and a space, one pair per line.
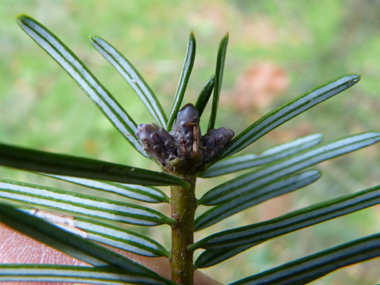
184, 148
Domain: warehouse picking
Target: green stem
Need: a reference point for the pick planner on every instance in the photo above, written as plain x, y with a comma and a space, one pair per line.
183, 209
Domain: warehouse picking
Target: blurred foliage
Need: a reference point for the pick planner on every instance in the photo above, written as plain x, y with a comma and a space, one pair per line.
277, 50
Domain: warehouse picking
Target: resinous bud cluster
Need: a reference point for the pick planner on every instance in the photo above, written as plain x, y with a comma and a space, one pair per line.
184, 146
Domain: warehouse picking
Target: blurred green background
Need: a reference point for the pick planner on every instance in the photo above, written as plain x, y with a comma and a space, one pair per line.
277, 50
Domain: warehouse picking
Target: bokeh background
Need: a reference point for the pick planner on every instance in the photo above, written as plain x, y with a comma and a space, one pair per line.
277, 50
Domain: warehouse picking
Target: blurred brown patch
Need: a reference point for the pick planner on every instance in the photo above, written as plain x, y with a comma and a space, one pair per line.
258, 88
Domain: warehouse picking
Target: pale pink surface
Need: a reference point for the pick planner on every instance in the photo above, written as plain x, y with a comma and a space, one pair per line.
19, 248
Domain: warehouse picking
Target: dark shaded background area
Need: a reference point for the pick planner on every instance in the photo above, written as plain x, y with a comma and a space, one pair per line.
277, 50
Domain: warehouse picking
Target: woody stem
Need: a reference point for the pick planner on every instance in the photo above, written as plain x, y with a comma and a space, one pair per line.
183, 204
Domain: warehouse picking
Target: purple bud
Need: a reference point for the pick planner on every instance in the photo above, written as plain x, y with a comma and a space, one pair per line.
210, 143
152, 134
184, 146
156, 141
187, 132
216, 139
223, 136
144, 131
187, 114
